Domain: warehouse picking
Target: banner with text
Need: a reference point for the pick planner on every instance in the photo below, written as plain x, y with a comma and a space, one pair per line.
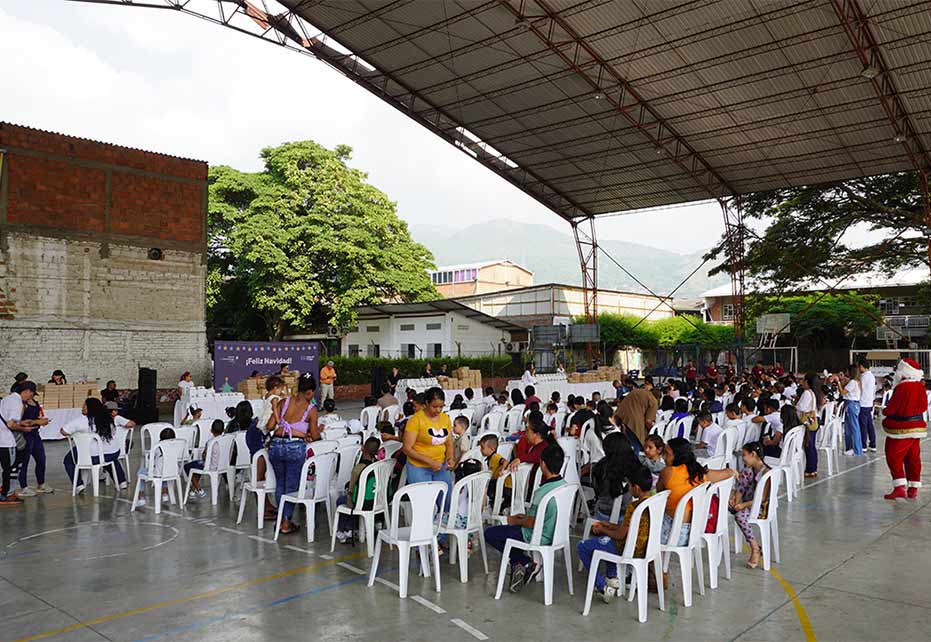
234, 361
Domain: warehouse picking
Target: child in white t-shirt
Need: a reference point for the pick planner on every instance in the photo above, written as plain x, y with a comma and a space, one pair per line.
167, 433
216, 431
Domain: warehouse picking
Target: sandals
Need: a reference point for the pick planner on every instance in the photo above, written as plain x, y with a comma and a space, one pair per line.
750, 564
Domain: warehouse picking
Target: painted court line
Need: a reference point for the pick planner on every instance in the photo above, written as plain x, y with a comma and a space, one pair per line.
478, 635
797, 603
183, 601
262, 539
299, 550
350, 567
420, 599
231, 530
326, 557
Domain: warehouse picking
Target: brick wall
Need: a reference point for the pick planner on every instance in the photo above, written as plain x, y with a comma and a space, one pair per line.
77, 290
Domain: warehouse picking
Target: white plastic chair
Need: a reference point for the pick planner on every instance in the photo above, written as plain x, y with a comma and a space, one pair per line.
786, 462
323, 446
349, 456
369, 417
125, 435
171, 450
768, 525
150, 433
614, 518
189, 435
464, 412
243, 459
506, 449
422, 532
492, 422
86, 446
476, 485
392, 448
690, 554
514, 418
564, 498
684, 424
225, 445
718, 542
390, 413
656, 506
827, 443
382, 471
324, 468
261, 489
474, 453
349, 440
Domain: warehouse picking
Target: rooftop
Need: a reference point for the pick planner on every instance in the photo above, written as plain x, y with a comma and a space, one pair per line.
440, 306
479, 265
857, 282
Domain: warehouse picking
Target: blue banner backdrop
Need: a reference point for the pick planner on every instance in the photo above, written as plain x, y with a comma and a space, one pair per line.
234, 361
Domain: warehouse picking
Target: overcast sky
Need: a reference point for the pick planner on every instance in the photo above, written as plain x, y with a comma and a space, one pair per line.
166, 82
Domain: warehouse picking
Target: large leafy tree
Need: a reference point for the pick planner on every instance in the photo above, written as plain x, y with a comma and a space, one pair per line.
822, 320
803, 240
301, 244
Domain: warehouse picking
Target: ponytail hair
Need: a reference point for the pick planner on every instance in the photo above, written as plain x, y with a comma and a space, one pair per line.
100, 417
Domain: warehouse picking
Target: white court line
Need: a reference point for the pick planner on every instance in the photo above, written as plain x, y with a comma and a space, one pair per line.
391, 585
420, 599
231, 530
299, 550
326, 557
350, 567
262, 539
478, 635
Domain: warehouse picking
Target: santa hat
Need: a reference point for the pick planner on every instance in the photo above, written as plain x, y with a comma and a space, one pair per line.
908, 370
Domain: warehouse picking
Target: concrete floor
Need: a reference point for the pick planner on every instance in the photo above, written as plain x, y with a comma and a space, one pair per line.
86, 569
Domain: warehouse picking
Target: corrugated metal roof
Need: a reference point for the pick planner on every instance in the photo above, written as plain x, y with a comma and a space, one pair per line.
767, 94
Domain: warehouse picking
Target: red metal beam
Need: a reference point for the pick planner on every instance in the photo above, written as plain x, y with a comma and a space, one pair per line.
607, 83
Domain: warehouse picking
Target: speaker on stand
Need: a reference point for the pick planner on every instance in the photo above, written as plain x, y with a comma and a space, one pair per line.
378, 378
145, 408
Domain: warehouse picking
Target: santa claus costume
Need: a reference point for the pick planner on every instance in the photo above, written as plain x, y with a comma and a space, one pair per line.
905, 427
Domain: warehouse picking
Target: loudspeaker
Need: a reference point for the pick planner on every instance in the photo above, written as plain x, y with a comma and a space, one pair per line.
145, 407
378, 378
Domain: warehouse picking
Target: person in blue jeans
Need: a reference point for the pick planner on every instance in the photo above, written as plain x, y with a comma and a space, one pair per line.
97, 419
294, 427
428, 443
852, 394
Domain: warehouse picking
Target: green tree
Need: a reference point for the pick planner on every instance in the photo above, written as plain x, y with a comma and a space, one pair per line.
831, 320
804, 235
625, 330
303, 243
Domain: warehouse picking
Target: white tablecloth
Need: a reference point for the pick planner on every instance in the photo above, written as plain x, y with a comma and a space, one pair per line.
214, 404
545, 389
57, 419
420, 385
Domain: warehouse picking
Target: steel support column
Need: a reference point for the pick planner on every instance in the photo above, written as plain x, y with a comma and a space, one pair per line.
735, 243
587, 245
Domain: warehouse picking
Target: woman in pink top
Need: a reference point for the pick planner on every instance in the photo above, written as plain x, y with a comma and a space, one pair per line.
294, 424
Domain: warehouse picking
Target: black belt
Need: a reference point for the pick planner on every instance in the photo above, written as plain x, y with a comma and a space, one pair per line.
912, 418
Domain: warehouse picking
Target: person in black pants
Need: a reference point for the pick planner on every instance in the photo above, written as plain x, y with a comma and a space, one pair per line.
32, 416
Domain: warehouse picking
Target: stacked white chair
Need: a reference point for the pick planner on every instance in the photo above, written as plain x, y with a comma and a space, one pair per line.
718, 542
690, 554
656, 507
170, 451
324, 468
382, 472
768, 524
564, 497
476, 485
225, 445
260, 488
421, 534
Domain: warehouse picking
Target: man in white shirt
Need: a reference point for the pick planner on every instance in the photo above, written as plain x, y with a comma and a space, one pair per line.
867, 399
11, 409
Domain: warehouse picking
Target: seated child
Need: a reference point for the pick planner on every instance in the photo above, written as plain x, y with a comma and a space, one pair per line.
520, 527
710, 433
216, 429
613, 537
408, 410
652, 455
167, 433
461, 440
348, 523
550, 417
495, 462
193, 414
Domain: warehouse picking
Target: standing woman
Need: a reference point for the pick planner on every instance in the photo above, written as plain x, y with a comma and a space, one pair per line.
428, 444
33, 416
808, 406
294, 427
184, 384
99, 420
852, 394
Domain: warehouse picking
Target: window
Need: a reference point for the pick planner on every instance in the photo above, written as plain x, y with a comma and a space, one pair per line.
371, 328
462, 328
373, 350
354, 328
434, 350
728, 311
409, 350
434, 326
353, 350
897, 304
407, 327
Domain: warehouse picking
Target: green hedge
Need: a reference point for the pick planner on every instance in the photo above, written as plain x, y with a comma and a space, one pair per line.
358, 370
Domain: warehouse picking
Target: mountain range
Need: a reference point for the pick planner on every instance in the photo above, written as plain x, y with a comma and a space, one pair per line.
552, 256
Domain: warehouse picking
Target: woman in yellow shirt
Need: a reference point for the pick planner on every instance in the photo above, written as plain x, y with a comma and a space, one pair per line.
428, 443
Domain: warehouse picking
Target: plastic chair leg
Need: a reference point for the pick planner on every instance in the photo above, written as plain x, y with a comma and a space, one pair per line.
310, 510
481, 541
714, 558
280, 515
765, 546
332, 531
369, 519
661, 592
187, 492
462, 543
548, 576
567, 554
640, 576
214, 488
775, 540
725, 552
590, 584
435, 545
505, 556
242, 505
157, 485
230, 482
95, 479
685, 568
260, 509
404, 560
699, 562
374, 570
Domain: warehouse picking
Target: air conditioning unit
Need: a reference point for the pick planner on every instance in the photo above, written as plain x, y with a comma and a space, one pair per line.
332, 332
515, 347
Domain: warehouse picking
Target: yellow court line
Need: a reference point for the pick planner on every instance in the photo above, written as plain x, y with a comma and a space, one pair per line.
799, 607
184, 600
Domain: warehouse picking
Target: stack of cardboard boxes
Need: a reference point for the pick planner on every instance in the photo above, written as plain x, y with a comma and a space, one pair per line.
69, 395
604, 373
255, 388
462, 378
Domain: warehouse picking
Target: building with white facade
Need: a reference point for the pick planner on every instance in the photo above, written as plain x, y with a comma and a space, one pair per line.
428, 330
476, 278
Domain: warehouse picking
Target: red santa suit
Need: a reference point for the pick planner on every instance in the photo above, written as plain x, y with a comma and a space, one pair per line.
905, 427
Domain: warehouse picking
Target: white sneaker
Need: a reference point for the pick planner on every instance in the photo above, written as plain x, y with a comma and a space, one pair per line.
848, 453
871, 449
26, 492
43, 488
613, 582
80, 489
608, 594
139, 503
124, 486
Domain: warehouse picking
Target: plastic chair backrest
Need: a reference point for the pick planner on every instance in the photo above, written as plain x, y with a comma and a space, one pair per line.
348, 456
506, 449
243, 456
87, 445
188, 434
423, 496
254, 465
564, 497
616, 508
491, 422
382, 474
722, 490
474, 453
718, 462
322, 446
324, 467
570, 466
567, 421
151, 431
697, 497
519, 481
656, 505
512, 420
349, 440
203, 431
476, 485
772, 479
789, 445
226, 442
390, 413
369, 417
392, 448
464, 412
753, 432
171, 450
560, 423
683, 425
125, 435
